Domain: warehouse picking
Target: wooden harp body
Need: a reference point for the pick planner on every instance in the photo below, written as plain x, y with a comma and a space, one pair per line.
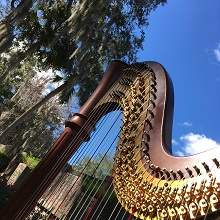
148, 181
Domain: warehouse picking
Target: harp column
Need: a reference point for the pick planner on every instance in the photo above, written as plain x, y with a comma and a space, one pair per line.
77, 129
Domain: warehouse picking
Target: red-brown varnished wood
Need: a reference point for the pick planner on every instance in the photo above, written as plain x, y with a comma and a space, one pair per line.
25, 199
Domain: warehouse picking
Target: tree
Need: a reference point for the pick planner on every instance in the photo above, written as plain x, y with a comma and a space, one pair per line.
78, 38
99, 167
7, 24
37, 133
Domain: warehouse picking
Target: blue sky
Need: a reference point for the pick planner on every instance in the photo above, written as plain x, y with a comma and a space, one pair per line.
184, 36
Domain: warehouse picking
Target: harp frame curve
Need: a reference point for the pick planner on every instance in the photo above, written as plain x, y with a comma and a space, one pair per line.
163, 164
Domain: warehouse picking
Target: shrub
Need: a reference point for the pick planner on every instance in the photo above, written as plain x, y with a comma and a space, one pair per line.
30, 160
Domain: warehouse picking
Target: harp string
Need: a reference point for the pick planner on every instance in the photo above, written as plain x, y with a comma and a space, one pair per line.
94, 153
90, 192
104, 207
118, 201
76, 138
114, 210
83, 151
119, 213
150, 173
137, 170
150, 180
90, 116
94, 171
96, 208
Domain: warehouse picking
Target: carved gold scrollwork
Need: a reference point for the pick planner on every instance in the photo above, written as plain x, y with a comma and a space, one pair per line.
144, 189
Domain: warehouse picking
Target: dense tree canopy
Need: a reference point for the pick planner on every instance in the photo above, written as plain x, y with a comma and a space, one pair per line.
81, 37
75, 39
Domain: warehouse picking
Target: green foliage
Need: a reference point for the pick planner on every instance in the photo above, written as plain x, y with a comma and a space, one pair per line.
30, 160
98, 167
78, 38
37, 132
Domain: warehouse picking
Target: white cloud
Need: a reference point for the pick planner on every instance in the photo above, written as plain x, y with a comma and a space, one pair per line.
186, 124
174, 142
49, 74
196, 143
217, 53
179, 153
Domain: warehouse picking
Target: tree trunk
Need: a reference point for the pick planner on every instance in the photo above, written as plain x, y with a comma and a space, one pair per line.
5, 36
6, 26
31, 110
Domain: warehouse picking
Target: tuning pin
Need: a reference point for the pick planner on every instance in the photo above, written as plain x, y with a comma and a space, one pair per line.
148, 125
193, 187
153, 95
146, 137
206, 167
189, 171
144, 145
152, 74
153, 88
147, 158
180, 173
173, 174
152, 166
150, 114
160, 189
216, 162
197, 170
167, 173
168, 189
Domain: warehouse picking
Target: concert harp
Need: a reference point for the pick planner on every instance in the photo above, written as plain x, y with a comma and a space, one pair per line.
148, 181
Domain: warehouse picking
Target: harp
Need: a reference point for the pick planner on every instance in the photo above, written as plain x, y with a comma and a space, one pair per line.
148, 181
